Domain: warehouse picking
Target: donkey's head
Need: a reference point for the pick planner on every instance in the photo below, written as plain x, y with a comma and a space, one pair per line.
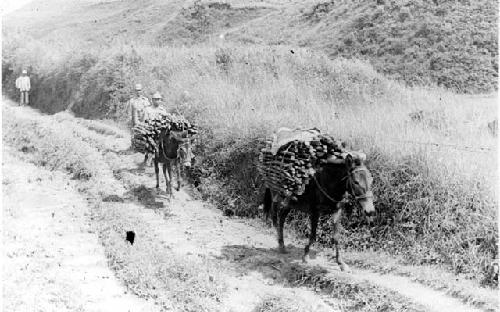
182, 144
360, 184
349, 175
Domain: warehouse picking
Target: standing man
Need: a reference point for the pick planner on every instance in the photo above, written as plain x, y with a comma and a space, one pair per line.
156, 109
137, 105
24, 85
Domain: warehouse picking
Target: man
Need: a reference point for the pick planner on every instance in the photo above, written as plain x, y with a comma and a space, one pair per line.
24, 86
155, 110
137, 105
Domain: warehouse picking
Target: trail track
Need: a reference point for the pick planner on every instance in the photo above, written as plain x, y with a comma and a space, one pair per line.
194, 228
52, 253
52, 258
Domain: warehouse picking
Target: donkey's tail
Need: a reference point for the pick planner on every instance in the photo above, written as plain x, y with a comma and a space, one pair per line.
268, 203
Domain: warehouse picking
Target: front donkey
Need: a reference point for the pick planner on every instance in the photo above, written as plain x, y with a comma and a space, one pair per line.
334, 182
174, 150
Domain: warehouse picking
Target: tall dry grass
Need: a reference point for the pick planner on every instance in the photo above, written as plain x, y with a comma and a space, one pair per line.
435, 174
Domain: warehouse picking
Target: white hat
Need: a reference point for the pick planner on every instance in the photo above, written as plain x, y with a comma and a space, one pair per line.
138, 87
25, 71
157, 95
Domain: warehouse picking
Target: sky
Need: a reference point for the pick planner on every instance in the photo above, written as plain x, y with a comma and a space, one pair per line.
12, 5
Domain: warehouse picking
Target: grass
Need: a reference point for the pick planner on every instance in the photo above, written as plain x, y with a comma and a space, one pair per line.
434, 182
452, 44
153, 271
456, 286
150, 268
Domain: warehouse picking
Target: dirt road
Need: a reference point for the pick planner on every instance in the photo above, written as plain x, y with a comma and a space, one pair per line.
53, 258
193, 228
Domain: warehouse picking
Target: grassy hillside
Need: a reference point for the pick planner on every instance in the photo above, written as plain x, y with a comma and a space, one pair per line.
436, 204
435, 173
452, 44
449, 43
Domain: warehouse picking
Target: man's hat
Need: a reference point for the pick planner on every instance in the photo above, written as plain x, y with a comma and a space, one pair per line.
25, 71
138, 87
157, 95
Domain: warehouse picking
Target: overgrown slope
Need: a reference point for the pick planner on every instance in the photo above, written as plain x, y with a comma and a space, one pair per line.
435, 172
431, 199
447, 43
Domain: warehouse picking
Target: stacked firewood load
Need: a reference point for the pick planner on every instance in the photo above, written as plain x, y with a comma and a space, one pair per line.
145, 135
291, 168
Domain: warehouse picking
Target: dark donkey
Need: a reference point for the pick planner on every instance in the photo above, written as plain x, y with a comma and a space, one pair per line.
174, 150
332, 184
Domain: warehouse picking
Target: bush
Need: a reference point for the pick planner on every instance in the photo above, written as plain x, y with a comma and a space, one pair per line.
424, 204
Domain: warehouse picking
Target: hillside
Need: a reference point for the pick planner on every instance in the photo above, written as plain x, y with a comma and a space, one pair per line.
446, 43
432, 151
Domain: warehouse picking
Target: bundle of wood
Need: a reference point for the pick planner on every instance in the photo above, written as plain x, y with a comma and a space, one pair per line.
144, 138
289, 171
176, 123
145, 135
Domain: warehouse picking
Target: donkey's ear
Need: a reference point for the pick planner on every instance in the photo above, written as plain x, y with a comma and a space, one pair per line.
349, 162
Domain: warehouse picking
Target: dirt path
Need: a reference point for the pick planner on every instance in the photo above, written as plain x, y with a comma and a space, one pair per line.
193, 228
52, 261
59, 261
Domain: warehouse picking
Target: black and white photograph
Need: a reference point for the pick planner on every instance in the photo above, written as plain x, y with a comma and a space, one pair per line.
250, 156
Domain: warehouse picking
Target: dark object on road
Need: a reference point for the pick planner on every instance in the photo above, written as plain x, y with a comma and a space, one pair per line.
130, 237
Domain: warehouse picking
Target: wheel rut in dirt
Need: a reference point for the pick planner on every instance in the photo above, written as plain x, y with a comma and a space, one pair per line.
52, 259
194, 228
243, 251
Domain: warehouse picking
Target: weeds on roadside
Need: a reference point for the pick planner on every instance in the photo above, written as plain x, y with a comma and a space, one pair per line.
436, 201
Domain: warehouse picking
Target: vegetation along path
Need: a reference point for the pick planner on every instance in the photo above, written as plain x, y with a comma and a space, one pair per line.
52, 258
186, 255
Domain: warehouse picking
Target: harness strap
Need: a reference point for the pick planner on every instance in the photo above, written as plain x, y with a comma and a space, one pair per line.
324, 192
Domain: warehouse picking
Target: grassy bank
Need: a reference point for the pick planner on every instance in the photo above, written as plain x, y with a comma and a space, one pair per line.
150, 270
452, 44
153, 268
436, 202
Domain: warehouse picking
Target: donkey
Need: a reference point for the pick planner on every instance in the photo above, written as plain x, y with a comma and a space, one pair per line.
174, 150
332, 185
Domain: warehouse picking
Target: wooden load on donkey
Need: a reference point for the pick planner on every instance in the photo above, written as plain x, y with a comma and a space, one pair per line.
168, 138
312, 172
288, 163
146, 135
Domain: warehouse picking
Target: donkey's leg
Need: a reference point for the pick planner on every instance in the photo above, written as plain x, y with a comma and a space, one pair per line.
314, 218
274, 213
336, 239
282, 213
178, 169
169, 184
157, 171
167, 176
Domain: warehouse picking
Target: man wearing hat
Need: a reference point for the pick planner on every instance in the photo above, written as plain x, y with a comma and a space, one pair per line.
137, 105
24, 86
156, 109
